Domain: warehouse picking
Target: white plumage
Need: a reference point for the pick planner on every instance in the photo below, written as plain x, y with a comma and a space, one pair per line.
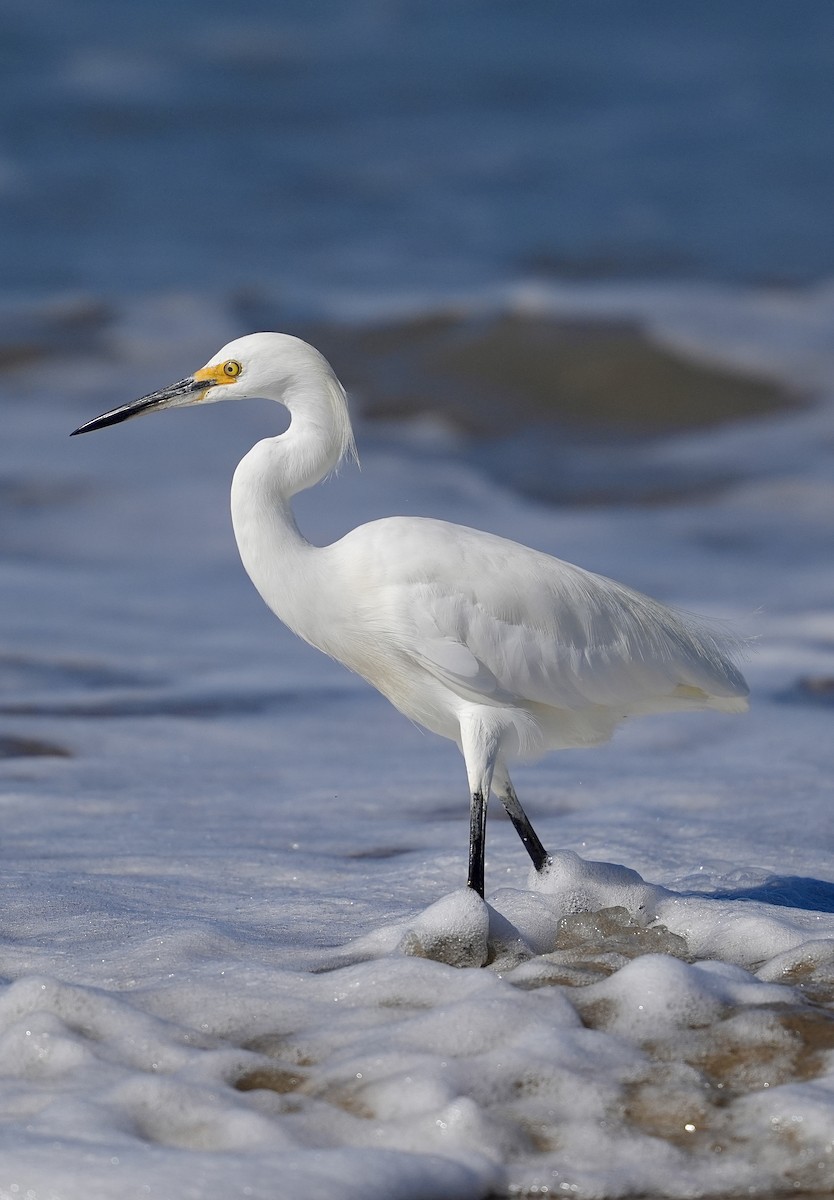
503, 649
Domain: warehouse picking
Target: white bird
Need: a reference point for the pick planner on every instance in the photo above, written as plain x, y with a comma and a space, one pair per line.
506, 651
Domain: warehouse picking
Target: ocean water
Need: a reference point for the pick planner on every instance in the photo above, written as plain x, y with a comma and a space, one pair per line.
235, 953
382, 145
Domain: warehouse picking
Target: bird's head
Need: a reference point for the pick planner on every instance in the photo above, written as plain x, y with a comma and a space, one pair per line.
260, 364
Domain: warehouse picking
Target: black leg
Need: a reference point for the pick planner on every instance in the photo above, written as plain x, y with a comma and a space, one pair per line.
477, 843
523, 828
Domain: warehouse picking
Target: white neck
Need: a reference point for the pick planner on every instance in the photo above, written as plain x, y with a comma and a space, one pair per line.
281, 563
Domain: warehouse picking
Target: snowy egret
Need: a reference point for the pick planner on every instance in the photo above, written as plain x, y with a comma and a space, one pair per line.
503, 649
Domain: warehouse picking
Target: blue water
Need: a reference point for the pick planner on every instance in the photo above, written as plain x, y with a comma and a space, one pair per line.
195, 803
397, 145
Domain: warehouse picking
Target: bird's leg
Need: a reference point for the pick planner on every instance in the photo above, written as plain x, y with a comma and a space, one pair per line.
479, 746
520, 820
477, 842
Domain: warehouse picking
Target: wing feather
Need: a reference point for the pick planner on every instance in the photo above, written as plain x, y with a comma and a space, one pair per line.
500, 623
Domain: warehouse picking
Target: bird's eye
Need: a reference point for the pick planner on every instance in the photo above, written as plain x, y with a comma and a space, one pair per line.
232, 369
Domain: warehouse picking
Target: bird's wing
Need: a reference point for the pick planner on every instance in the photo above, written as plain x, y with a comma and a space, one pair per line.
455, 665
499, 623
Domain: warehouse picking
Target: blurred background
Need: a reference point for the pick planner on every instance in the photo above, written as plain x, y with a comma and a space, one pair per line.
584, 250
371, 144
398, 168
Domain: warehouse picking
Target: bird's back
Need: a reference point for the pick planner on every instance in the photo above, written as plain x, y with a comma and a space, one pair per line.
498, 623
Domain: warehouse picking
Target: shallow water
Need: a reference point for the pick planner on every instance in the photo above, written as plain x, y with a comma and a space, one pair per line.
231, 871
235, 957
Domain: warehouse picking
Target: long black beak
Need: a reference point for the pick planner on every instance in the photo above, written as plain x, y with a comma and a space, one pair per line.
168, 397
